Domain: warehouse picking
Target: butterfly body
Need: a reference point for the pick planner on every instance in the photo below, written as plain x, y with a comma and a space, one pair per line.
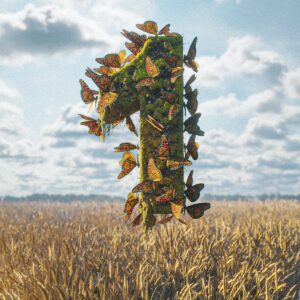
92, 124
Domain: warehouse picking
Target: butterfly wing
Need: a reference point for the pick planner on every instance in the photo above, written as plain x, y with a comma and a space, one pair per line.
151, 68
192, 50
164, 30
165, 220
87, 95
132, 47
171, 60
102, 81
146, 82
138, 220
189, 181
176, 207
155, 123
125, 147
130, 125
106, 100
154, 173
131, 202
145, 187
196, 211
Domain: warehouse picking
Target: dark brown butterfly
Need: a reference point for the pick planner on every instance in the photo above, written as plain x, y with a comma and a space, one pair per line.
124, 147
192, 148
189, 59
148, 26
187, 87
102, 81
192, 103
128, 163
92, 124
155, 123
130, 125
146, 82
190, 125
87, 95
193, 192
110, 60
138, 220
189, 181
171, 59
131, 202
145, 187
134, 48
134, 37
196, 211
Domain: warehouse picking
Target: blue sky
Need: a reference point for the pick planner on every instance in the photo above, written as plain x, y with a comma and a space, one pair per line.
248, 82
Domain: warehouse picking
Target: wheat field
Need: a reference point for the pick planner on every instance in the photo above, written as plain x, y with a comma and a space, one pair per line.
240, 250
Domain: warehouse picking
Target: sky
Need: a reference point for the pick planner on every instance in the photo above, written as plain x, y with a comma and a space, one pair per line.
248, 83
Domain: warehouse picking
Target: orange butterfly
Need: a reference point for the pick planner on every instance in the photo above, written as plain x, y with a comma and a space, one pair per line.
173, 110
176, 72
165, 29
148, 26
102, 81
175, 164
165, 219
92, 124
131, 202
155, 123
130, 57
166, 197
124, 147
197, 210
164, 147
176, 207
106, 100
128, 163
145, 187
105, 70
154, 172
130, 125
134, 48
138, 220
134, 37
146, 82
110, 60
87, 95
151, 68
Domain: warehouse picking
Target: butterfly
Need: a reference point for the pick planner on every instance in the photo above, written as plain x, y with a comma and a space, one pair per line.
155, 123
176, 72
165, 219
130, 57
193, 192
131, 202
170, 97
130, 125
172, 34
192, 148
146, 82
87, 95
124, 147
102, 81
187, 87
189, 59
92, 124
138, 220
176, 207
167, 196
132, 47
110, 60
151, 68
134, 37
196, 211
106, 100
154, 172
164, 30
128, 163
189, 181
190, 125
105, 70
192, 103
148, 26
173, 110
145, 187
175, 164
171, 59
164, 147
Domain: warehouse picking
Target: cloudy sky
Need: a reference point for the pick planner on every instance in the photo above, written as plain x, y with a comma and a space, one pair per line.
248, 83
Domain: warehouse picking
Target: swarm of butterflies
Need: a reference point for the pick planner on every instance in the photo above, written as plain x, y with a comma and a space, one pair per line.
106, 97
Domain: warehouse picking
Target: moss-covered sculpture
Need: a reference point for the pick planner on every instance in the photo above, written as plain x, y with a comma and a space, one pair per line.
150, 81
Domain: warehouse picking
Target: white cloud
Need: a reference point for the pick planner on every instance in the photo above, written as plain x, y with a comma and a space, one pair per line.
291, 83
